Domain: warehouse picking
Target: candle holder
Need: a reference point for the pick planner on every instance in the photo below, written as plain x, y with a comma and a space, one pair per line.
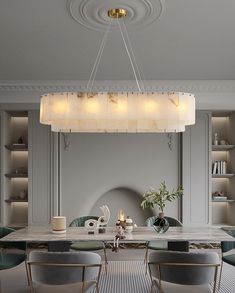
59, 225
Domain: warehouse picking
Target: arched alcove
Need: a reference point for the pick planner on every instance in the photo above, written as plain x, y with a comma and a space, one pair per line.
124, 199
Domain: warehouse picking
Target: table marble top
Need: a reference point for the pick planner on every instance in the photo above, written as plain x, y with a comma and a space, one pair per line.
193, 234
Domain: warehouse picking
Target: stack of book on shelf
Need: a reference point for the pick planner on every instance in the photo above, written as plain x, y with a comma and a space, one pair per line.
219, 167
217, 197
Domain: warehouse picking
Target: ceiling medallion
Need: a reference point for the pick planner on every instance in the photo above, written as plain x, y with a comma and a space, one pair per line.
92, 14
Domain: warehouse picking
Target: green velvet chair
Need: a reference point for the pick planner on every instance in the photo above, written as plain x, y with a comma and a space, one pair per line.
9, 260
88, 245
163, 245
229, 258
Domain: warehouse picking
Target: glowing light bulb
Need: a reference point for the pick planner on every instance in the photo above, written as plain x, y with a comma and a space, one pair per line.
60, 107
122, 106
150, 106
92, 106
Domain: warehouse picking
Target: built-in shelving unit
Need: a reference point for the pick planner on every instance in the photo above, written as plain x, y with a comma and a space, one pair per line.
16, 169
223, 168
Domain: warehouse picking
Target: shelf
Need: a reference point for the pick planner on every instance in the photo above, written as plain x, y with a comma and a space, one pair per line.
222, 175
17, 147
18, 113
225, 147
16, 175
224, 200
10, 200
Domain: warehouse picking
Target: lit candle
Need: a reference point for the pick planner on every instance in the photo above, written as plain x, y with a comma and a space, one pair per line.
121, 216
59, 224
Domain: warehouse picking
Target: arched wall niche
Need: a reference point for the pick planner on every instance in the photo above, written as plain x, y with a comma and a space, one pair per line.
122, 198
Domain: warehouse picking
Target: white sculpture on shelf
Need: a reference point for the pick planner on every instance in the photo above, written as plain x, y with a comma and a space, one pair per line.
93, 225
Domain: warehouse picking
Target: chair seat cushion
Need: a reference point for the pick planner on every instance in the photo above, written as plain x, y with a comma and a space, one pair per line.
68, 288
158, 245
87, 245
10, 260
230, 259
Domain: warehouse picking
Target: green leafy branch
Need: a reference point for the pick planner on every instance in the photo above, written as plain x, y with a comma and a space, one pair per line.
159, 197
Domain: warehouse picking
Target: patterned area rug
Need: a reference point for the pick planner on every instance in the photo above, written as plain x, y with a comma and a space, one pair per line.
122, 277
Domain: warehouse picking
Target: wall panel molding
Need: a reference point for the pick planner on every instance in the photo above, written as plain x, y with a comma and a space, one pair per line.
195, 86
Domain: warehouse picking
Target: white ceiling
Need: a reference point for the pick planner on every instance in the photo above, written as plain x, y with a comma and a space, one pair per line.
192, 40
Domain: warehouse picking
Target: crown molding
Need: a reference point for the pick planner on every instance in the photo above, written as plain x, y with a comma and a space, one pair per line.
193, 86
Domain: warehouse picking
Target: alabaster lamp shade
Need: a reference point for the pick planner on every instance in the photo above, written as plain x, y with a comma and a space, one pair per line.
118, 112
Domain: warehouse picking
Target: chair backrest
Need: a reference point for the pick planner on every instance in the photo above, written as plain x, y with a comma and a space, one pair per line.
54, 274
228, 245
5, 231
18, 245
80, 222
172, 221
180, 268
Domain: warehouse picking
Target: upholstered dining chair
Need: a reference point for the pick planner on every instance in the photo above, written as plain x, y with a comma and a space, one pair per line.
164, 245
227, 255
183, 272
88, 245
64, 272
8, 259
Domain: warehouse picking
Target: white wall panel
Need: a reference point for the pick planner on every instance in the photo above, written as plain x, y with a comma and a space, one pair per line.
40, 175
196, 178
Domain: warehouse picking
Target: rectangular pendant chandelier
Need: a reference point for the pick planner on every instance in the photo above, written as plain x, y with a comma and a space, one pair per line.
121, 111
118, 112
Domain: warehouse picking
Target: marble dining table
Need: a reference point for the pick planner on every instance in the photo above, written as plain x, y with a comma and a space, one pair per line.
32, 234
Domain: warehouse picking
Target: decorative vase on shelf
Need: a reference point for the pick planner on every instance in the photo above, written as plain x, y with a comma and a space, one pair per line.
161, 225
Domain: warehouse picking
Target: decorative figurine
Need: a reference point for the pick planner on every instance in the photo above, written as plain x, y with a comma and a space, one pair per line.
20, 140
216, 140
120, 235
129, 225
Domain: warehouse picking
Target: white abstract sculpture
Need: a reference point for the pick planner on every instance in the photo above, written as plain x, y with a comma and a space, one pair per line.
92, 225
103, 220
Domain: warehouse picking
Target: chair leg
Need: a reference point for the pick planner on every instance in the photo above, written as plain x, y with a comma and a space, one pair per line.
146, 260
152, 288
146, 252
105, 260
220, 275
27, 273
97, 289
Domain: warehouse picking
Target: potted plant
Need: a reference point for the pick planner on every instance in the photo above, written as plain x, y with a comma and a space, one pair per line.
160, 197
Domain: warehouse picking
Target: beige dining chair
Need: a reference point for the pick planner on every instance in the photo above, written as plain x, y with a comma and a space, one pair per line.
183, 272
70, 272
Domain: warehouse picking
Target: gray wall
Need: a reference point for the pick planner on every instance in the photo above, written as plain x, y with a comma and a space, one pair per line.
98, 163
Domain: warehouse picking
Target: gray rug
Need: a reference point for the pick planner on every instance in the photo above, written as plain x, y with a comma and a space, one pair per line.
123, 277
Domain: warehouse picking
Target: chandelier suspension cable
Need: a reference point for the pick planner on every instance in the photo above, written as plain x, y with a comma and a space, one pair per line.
98, 58
131, 59
137, 67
